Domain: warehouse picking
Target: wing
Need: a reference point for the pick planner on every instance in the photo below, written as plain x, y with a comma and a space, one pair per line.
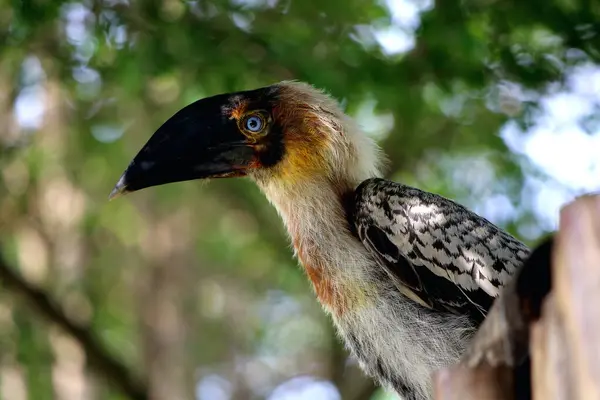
440, 254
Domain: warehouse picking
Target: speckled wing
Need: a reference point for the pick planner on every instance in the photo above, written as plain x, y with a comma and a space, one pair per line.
440, 254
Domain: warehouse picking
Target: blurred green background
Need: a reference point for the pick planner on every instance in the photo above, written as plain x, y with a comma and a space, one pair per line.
193, 286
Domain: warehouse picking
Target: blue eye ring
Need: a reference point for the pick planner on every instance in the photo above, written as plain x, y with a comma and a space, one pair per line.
254, 123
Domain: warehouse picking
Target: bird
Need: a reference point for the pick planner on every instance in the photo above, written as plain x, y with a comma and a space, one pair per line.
406, 275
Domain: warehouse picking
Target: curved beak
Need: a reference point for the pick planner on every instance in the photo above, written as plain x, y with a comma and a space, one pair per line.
200, 141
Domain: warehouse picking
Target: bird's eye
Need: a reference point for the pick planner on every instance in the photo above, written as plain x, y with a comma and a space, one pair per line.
254, 123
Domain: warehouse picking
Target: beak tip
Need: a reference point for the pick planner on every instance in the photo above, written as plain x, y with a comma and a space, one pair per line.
120, 189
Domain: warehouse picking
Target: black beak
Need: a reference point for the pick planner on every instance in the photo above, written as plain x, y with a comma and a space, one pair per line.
200, 141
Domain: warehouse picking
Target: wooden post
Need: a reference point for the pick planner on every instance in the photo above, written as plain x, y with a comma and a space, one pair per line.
557, 325
484, 382
565, 343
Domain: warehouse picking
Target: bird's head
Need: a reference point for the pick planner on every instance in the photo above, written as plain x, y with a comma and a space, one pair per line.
282, 134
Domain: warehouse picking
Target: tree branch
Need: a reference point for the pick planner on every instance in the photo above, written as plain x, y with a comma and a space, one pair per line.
99, 358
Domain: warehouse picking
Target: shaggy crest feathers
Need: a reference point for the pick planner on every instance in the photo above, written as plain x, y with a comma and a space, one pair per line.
318, 132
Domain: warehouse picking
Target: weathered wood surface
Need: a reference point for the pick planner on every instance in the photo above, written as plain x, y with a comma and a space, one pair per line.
558, 325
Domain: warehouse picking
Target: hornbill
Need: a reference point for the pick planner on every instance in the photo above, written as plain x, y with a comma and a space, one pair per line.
406, 275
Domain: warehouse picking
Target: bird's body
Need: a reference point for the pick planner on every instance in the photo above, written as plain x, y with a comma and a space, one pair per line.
395, 339
406, 275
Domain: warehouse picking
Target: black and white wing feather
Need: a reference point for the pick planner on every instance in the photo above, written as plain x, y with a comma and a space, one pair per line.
440, 254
